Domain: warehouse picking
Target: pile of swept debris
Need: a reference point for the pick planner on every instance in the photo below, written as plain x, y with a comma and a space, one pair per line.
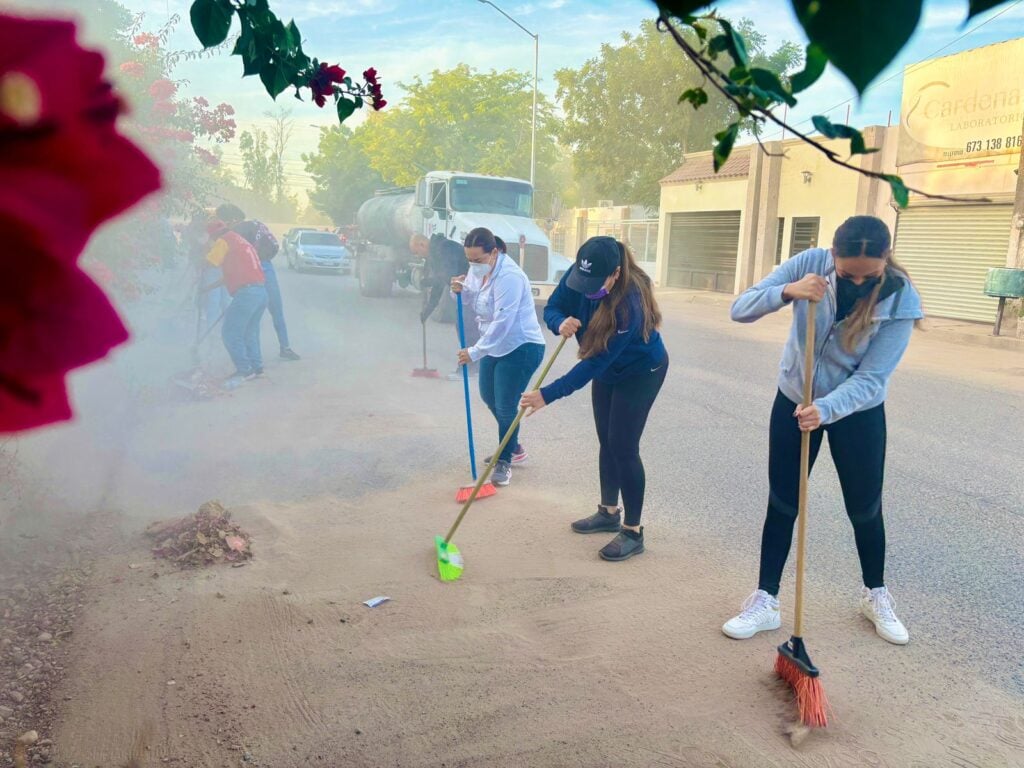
209, 536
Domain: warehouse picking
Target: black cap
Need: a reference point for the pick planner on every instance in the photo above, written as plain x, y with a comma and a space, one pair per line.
596, 260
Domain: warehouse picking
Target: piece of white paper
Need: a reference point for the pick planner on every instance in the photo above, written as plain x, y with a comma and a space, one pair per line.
373, 602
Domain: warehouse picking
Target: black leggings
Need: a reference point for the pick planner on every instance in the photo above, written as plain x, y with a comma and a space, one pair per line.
620, 414
857, 444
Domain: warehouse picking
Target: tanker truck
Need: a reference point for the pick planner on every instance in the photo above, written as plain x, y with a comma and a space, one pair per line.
451, 203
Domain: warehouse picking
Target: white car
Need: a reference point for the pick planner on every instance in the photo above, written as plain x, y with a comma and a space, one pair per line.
319, 251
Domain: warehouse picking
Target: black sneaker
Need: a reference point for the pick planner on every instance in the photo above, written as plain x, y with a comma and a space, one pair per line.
623, 546
287, 353
259, 373
599, 522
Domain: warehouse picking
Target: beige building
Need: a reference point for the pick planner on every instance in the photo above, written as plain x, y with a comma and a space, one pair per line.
725, 231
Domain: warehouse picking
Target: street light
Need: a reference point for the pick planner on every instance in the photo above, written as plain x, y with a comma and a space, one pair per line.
536, 62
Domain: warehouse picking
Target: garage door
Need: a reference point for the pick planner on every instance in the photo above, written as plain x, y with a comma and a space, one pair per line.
948, 250
702, 250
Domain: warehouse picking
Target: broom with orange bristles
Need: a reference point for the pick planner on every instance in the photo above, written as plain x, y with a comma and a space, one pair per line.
487, 489
793, 664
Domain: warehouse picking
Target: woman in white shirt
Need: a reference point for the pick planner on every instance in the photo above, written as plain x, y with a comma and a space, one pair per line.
511, 345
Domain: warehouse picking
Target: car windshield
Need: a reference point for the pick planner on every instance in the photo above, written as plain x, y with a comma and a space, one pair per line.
319, 238
510, 198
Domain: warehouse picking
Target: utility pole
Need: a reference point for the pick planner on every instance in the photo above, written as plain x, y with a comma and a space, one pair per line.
536, 66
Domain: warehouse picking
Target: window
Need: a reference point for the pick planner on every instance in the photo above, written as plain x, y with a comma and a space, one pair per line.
778, 240
319, 238
805, 234
476, 195
438, 198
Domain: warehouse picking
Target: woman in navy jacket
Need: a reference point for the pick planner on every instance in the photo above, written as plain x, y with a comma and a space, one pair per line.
607, 302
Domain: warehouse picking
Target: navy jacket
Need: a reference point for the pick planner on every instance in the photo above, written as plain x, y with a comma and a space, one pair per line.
627, 354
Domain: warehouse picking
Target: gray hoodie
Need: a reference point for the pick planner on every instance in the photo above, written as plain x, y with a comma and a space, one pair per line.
844, 382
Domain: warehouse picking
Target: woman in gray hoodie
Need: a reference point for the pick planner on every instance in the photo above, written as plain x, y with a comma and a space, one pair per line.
867, 310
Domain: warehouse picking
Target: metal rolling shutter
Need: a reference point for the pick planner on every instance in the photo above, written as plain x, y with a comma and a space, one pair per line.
948, 250
702, 250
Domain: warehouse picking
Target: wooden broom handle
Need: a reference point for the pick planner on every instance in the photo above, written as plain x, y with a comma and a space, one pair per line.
497, 454
805, 468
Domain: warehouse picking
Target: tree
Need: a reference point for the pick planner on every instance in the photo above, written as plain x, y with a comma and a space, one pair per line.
622, 115
342, 175
462, 120
281, 130
258, 163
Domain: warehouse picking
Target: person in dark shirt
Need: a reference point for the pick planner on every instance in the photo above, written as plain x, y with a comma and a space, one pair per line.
607, 302
444, 259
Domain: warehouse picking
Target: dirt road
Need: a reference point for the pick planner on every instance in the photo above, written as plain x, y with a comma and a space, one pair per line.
343, 468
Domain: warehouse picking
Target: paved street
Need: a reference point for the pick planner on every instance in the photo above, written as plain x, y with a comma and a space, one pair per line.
344, 448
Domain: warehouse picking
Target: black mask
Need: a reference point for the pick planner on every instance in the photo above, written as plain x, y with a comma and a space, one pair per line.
848, 293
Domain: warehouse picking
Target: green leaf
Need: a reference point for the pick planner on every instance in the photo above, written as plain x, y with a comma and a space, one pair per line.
814, 67
247, 49
700, 31
719, 44
974, 7
292, 39
723, 148
737, 46
860, 38
211, 21
345, 109
900, 193
697, 97
359, 102
768, 81
682, 8
275, 76
839, 131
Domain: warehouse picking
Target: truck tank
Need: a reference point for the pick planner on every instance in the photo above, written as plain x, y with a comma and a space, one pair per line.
387, 218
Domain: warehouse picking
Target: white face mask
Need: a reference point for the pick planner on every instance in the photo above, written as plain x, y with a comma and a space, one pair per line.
480, 270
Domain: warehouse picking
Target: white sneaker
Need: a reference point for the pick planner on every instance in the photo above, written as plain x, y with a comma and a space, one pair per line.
760, 611
877, 606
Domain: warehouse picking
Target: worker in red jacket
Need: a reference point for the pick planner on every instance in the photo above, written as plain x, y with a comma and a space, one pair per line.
244, 279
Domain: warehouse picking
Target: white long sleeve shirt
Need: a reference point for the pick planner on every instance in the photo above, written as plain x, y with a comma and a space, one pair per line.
504, 309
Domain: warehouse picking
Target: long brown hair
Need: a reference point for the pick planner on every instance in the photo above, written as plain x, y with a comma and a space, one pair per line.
864, 236
603, 324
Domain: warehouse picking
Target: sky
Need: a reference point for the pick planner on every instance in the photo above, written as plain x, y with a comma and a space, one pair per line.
406, 38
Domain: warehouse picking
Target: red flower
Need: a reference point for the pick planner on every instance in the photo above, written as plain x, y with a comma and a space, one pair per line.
164, 108
323, 80
370, 75
162, 89
146, 40
132, 69
64, 170
379, 104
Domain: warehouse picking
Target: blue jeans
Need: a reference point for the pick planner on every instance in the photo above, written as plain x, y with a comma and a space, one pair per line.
214, 302
502, 383
274, 304
241, 330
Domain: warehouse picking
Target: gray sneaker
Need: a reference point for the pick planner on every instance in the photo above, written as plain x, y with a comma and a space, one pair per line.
502, 474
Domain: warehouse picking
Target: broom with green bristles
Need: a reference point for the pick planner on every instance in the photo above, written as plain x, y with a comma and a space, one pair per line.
793, 664
449, 559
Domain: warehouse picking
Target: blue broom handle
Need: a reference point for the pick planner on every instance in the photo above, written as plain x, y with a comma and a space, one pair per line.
465, 388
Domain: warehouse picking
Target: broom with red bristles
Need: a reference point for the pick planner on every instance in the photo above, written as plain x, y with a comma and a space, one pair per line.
487, 489
793, 664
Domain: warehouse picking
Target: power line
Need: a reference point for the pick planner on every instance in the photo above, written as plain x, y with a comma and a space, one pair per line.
929, 59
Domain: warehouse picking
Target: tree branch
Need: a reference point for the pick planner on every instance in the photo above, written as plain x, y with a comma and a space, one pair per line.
720, 80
